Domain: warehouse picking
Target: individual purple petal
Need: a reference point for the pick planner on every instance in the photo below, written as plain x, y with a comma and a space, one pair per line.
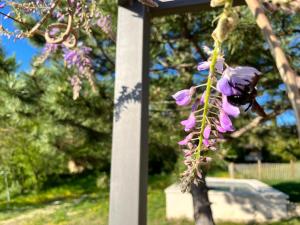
225, 121
207, 131
187, 153
224, 87
2, 5
196, 104
206, 64
184, 97
183, 142
228, 108
220, 65
190, 123
240, 81
206, 142
240, 76
247, 70
203, 66
202, 98
220, 129
181, 94
186, 140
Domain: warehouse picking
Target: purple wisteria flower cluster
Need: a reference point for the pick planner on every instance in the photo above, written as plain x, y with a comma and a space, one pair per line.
60, 22
69, 17
79, 59
236, 87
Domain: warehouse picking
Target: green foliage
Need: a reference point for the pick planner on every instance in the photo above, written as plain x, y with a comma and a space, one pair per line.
276, 144
43, 128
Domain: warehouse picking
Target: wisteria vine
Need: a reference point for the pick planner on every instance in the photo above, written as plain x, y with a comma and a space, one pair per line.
216, 101
70, 18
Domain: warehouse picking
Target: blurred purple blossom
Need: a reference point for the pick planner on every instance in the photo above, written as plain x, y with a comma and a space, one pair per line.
225, 121
202, 98
207, 131
184, 97
228, 108
105, 23
78, 57
236, 79
50, 48
206, 64
206, 142
186, 140
190, 123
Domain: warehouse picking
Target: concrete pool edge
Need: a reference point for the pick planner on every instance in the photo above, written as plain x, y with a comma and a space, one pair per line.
263, 204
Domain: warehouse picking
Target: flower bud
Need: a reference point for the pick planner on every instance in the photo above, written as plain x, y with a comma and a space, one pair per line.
226, 24
216, 3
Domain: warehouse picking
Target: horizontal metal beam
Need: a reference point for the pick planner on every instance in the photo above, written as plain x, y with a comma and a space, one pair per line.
168, 7
123, 2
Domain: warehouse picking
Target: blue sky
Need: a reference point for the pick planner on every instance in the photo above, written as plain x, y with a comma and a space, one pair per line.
19, 48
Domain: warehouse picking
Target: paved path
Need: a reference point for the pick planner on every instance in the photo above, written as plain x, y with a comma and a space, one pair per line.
26, 216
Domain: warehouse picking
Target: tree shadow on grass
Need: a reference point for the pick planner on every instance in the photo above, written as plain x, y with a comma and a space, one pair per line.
66, 189
18, 208
290, 188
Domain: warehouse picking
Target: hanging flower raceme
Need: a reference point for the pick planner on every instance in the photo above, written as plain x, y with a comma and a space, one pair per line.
61, 24
79, 60
235, 87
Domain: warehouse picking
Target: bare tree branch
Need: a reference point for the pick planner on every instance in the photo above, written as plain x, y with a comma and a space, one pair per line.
254, 123
288, 75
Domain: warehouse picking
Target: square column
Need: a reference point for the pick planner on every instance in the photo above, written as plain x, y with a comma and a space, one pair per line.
129, 169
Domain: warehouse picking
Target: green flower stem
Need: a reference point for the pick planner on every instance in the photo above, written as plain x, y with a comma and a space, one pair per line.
212, 69
214, 58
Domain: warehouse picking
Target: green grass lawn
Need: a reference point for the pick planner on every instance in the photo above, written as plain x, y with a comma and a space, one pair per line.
81, 202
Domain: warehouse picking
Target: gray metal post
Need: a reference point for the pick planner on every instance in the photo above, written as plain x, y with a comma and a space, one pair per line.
128, 187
